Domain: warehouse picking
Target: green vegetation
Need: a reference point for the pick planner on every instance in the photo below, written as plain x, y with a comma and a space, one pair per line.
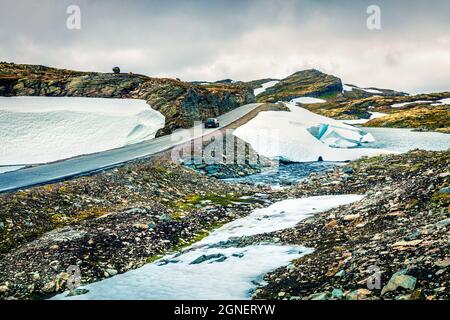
427, 118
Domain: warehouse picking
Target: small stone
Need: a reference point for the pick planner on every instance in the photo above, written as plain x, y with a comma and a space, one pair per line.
400, 279
340, 273
443, 223
441, 271
281, 294
348, 170
111, 272
49, 287
443, 263
396, 214
445, 190
358, 294
337, 293
351, 217
412, 243
331, 224
318, 296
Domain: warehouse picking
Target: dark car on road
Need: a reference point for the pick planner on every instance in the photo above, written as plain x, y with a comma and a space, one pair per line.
212, 123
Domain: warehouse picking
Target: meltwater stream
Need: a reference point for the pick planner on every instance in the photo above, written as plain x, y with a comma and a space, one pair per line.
211, 270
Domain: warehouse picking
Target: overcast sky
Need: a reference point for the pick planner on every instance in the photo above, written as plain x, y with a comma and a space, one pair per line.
243, 40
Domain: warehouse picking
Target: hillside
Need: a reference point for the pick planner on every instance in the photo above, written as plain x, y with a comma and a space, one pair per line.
180, 102
312, 83
428, 112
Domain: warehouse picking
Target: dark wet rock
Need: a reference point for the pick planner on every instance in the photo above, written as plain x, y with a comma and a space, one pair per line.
445, 190
400, 280
77, 292
212, 258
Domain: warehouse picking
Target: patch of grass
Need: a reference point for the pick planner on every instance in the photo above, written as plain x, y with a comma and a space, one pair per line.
198, 201
153, 258
60, 219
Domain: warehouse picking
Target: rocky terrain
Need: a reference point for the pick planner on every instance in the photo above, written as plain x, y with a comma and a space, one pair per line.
312, 83
109, 223
423, 118
419, 111
398, 232
123, 218
181, 103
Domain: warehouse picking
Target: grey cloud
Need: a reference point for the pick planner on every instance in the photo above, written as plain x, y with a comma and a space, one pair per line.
199, 39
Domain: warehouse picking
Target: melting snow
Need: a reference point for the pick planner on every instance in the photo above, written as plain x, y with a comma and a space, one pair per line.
347, 87
208, 270
403, 104
374, 91
44, 129
303, 136
441, 102
264, 87
373, 115
307, 100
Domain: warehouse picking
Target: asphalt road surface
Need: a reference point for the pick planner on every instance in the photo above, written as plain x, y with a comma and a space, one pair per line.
87, 164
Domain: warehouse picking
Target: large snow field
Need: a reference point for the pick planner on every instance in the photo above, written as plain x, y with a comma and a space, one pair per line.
43, 129
211, 270
303, 136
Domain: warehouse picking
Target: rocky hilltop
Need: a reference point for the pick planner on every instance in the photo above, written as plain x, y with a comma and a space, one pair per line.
312, 83
180, 102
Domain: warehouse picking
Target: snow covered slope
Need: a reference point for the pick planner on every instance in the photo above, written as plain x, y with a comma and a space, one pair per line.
303, 136
43, 129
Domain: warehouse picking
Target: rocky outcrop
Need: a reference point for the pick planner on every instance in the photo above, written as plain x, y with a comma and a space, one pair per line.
397, 234
435, 118
180, 102
312, 83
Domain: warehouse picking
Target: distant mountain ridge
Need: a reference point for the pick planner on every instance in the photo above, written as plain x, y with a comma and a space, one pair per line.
182, 103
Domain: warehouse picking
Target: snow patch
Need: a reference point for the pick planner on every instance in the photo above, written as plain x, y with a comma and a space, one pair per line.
264, 87
43, 129
403, 104
441, 102
307, 100
210, 271
303, 136
374, 91
349, 88
281, 215
373, 115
